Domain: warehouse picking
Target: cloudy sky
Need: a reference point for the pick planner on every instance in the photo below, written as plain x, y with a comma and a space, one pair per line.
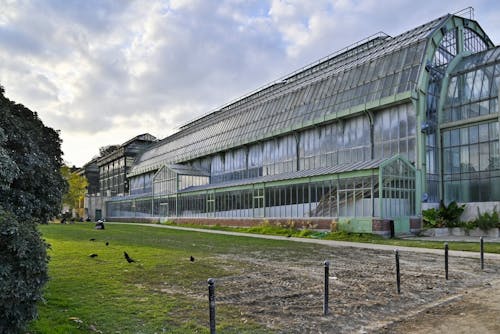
104, 71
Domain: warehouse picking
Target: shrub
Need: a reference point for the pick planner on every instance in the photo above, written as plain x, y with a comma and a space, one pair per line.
451, 213
487, 220
469, 225
432, 219
23, 272
304, 233
444, 216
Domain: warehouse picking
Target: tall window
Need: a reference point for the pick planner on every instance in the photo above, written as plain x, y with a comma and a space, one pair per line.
471, 163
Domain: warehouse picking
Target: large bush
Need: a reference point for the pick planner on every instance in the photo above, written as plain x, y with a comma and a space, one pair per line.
31, 185
23, 272
31, 189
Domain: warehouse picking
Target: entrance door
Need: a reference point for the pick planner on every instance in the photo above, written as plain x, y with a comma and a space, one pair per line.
258, 202
164, 212
98, 214
211, 204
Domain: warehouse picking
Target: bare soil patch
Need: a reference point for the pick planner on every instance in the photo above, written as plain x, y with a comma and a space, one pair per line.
284, 292
476, 310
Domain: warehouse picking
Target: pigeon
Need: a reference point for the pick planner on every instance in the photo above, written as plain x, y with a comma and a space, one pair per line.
93, 255
107, 243
128, 258
191, 258
92, 239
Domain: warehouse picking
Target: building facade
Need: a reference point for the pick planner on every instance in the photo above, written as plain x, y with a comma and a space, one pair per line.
92, 199
116, 161
371, 134
107, 174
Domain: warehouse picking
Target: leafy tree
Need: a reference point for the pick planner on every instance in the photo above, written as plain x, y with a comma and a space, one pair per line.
32, 184
8, 168
31, 188
77, 185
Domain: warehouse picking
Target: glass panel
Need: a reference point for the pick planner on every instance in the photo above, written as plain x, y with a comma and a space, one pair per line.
478, 161
473, 134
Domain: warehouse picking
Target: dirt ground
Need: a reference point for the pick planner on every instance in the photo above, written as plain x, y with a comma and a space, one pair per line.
474, 311
284, 292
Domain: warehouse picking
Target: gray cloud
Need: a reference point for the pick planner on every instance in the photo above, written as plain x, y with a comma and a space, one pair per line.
19, 41
114, 69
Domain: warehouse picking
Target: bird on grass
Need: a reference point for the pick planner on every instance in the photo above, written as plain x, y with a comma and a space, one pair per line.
92, 239
107, 243
128, 258
93, 255
191, 258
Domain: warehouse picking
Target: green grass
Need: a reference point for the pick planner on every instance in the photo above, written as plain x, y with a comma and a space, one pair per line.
163, 292
266, 228
156, 294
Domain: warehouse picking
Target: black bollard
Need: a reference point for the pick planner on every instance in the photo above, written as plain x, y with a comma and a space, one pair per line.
211, 302
327, 276
482, 253
398, 276
446, 260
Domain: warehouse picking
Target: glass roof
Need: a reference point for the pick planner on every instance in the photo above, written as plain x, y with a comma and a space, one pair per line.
186, 170
339, 169
473, 82
367, 72
472, 62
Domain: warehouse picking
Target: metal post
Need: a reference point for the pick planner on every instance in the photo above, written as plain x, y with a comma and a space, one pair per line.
482, 253
327, 276
446, 260
398, 276
211, 302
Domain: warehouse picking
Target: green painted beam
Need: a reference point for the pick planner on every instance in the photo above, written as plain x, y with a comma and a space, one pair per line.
433, 43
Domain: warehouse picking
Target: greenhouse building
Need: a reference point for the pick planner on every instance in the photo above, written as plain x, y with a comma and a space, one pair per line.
365, 137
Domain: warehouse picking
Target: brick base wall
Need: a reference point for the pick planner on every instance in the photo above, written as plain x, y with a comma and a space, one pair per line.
382, 227
415, 225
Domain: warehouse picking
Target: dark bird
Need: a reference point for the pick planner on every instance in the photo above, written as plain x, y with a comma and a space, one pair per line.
92, 239
107, 243
128, 258
93, 255
191, 258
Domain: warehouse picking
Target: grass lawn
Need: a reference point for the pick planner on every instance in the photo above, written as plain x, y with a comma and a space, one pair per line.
163, 291
108, 295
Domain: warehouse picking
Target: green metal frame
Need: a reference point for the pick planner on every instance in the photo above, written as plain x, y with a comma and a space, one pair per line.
381, 177
423, 82
418, 98
401, 223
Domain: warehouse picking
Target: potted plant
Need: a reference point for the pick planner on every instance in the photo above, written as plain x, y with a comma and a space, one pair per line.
442, 219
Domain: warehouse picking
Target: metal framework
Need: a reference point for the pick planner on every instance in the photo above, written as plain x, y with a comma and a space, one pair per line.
365, 133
